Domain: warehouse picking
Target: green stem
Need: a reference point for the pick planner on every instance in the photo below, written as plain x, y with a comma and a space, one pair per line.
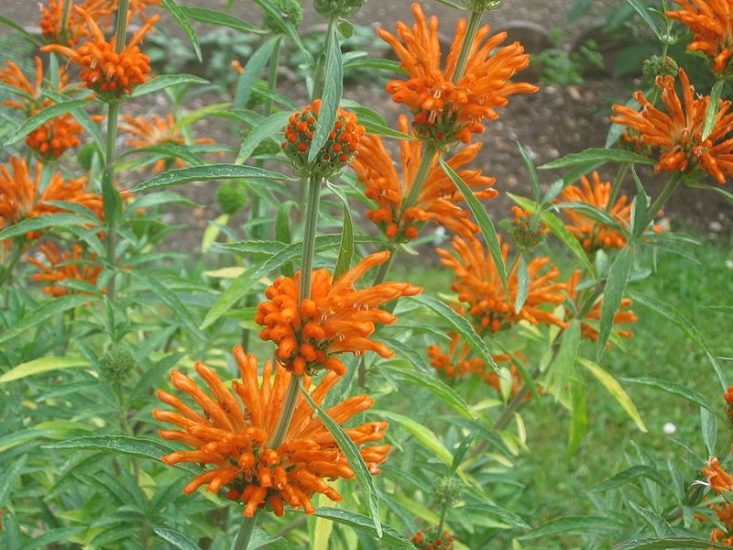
473, 24
109, 192
663, 197
272, 75
65, 17
426, 162
8, 272
121, 25
443, 515
286, 414
618, 180
517, 401
246, 528
309, 235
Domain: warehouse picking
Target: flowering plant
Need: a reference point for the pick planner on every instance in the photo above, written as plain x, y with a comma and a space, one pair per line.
363, 404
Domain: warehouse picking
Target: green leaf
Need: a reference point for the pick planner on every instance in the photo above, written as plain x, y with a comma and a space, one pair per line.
349, 448
44, 312
178, 14
268, 7
333, 88
378, 129
646, 16
618, 277
176, 539
42, 222
140, 447
674, 388
220, 19
579, 419
574, 524
630, 474
712, 110
170, 299
562, 370
673, 314
252, 71
522, 284
616, 390
266, 129
504, 515
346, 245
166, 81
460, 324
667, 542
15, 26
596, 155
558, 228
43, 116
43, 364
709, 425
11, 475
365, 525
440, 389
482, 217
533, 179
205, 173
423, 434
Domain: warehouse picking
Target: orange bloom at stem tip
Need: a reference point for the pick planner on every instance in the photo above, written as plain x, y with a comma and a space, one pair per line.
232, 432
155, 130
64, 266
438, 198
336, 318
478, 285
51, 139
444, 110
20, 197
720, 480
677, 133
591, 233
102, 69
52, 18
425, 541
339, 150
711, 23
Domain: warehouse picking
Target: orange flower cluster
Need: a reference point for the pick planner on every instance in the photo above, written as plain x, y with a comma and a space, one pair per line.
478, 285
109, 73
423, 541
721, 482
589, 322
233, 437
53, 138
678, 132
711, 23
52, 18
21, 198
64, 266
438, 196
448, 108
337, 318
457, 362
144, 132
591, 233
339, 150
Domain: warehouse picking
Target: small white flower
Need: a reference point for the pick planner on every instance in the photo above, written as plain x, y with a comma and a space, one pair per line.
669, 428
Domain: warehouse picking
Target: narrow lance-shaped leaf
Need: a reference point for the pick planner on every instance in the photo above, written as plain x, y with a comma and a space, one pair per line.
346, 245
423, 434
165, 81
266, 129
482, 217
41, 365
596, 155
350, 450
175, 538
43, 313
219, 18
43, 116
205, 173
533, 179
618, 276
643, 11
674, 388
364, 524
333, 87
579, 419
712, 111
523, 284
42, 222
252, 71
177, 13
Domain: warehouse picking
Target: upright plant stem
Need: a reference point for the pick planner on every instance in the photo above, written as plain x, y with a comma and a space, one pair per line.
65, 15
246, 528
663, 197
428, 154
309, 235
473, 24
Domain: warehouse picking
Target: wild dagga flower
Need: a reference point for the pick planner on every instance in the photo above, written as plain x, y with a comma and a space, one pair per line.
102, 69
336, 318
146, 131
425, 541
458, 362
446, 111
677, 133
53, 138
438, 196
70, 265
528, 230
21, 197
339, 150
52, 16
593, 234
711, 23
478, 285
721, 483
233, 431
590, 320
